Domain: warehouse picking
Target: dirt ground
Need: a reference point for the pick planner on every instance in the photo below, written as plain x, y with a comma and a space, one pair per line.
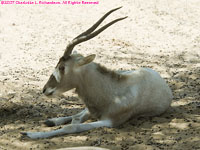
161, 34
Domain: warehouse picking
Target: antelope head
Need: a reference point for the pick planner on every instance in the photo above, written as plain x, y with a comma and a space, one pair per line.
64, 75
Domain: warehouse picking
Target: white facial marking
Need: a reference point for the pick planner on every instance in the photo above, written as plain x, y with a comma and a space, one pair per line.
57, 76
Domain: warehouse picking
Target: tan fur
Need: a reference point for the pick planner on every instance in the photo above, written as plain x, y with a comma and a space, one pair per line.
111, 73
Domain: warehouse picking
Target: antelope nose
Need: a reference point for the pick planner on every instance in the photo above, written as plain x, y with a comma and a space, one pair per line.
44, 90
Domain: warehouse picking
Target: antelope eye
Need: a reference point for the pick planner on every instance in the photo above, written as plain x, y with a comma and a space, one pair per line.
62, 68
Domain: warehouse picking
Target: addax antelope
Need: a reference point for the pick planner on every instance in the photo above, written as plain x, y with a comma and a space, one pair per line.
113, 97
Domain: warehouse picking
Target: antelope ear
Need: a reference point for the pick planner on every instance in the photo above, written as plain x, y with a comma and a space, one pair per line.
86, 60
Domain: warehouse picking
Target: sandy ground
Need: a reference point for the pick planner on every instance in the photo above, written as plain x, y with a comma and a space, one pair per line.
161, 34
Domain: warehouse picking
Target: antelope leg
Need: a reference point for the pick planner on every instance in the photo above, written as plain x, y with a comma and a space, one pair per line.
68, 129
78, 118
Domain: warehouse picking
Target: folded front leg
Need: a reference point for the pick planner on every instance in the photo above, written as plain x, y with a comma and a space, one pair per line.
58, 121
72, 128
78, 118
81, 117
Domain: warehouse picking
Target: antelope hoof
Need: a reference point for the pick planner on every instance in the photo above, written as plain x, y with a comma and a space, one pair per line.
30, 135
24, 135
49, 123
